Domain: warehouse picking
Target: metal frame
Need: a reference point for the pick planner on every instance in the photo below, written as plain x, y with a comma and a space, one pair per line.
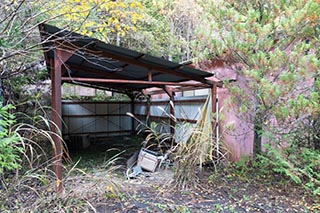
63, 50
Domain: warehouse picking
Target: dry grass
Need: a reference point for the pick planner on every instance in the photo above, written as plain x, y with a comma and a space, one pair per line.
31, 188
201, 147
34, 191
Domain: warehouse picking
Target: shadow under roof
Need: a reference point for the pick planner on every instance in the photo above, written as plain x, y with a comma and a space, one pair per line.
94, 59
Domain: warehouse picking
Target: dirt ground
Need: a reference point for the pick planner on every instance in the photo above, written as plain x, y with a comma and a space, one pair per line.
153, 193
95, 185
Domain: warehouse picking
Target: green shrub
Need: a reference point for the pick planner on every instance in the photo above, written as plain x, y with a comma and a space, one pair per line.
9, 151
299, 164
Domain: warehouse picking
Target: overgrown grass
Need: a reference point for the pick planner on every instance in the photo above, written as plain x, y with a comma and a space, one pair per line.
29, 185
35, 190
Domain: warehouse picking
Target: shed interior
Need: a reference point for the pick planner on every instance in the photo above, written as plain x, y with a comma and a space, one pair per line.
78, 59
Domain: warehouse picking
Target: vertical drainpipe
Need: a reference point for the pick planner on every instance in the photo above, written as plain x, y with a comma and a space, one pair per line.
148, 107
172, 114
217, 124
171, 94
214, 113
147, 111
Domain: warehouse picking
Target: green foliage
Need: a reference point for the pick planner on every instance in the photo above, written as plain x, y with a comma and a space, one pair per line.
301, 165
9, 151
273, 45
296, 165
167, 29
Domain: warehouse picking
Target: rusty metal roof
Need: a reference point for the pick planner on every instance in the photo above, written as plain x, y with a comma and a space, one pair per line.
98, 60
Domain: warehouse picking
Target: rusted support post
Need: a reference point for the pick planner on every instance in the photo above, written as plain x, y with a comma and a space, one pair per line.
171, 94
214, 117
56, 119
56, 71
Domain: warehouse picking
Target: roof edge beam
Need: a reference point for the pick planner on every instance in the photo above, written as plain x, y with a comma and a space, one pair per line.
122, 81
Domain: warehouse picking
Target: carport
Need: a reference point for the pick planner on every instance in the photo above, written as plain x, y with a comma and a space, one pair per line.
78, 59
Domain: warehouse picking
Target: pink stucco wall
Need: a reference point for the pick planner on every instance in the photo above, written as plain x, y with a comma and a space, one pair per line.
235, 133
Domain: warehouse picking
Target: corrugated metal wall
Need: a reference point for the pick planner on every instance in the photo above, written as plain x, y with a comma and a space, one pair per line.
110, 118
105, 118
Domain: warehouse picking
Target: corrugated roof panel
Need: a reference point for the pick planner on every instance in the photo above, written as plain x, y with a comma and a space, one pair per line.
164, 77
159, 61
93, 62
117, 50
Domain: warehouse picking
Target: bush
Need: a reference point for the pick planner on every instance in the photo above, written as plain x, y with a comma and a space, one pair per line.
300, 164
9, 151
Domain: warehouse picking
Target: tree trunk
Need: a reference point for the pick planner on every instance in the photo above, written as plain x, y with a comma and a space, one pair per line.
257, 141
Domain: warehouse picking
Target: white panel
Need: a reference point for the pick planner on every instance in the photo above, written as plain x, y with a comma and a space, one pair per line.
115, 123
199, 92
159, 110
75, 109
65, 109
190, 111
188, 93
